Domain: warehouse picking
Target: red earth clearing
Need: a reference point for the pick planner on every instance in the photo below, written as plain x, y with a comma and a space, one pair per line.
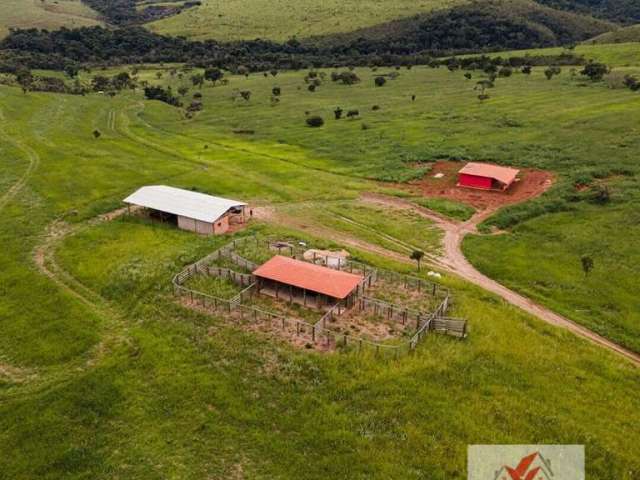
532, 183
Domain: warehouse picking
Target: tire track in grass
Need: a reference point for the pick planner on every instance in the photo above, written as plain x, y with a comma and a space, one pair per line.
31, 155
114, 329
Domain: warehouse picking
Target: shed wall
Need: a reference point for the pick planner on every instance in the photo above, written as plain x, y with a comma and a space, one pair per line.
475, 181
186, 223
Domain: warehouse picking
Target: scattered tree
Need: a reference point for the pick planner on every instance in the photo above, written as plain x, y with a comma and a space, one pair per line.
505, 72
71, 69
595, 71
197, 80
337, 113
214, 75
275, 91
417, 255
25, 79
526, 69
550, 72
587, 264
380, 81
97, 134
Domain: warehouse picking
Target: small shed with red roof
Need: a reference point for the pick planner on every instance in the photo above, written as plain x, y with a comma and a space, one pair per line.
304, 282
486, 176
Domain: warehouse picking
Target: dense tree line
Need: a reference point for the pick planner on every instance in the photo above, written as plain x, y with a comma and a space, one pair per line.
69, 49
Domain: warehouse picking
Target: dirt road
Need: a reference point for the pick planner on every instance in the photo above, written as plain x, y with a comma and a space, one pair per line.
454, 261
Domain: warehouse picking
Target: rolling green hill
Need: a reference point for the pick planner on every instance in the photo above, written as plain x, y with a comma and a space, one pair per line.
282, 19
622, 35
49, 14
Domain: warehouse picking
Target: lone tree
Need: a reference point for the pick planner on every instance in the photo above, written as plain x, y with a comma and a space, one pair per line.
380, 81
96, 134
587, 264
417, 255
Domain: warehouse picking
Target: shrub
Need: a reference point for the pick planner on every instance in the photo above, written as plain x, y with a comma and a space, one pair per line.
315, 121
505, 72
595, 71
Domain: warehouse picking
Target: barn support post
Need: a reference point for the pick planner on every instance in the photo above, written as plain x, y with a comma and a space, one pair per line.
304, 297
290, 294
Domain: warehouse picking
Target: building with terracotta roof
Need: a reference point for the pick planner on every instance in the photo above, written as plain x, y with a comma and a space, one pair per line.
304, 282
486, 176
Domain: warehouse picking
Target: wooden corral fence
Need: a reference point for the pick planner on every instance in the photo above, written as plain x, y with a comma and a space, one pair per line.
319, 333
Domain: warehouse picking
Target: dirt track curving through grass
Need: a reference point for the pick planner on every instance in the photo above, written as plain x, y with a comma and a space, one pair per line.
34, 161
454, 261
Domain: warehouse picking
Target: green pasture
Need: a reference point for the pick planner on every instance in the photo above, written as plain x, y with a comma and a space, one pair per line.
128, 384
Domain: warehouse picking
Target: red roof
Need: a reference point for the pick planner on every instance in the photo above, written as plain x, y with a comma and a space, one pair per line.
334, 283
504, 175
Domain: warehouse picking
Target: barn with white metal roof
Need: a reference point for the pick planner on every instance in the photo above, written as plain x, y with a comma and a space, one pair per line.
194, 211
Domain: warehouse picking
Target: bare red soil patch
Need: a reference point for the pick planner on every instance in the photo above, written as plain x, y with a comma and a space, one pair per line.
532, 183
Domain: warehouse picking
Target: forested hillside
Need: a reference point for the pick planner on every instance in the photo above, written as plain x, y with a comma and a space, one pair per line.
481, 25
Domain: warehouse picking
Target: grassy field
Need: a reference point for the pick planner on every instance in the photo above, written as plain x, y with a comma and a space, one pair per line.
282, 19
49, 14
127, 384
